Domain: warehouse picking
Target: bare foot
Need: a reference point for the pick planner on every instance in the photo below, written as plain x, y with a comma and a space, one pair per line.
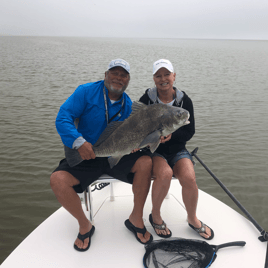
140, 224
197, 224
83, 229
158, 221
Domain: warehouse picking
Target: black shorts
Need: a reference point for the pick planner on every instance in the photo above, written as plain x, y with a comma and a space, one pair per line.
89, 171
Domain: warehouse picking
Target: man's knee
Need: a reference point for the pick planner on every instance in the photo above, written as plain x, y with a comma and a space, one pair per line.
144, 163
59, 179
55, 181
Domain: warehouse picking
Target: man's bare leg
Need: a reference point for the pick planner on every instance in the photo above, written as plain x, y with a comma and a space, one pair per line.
140, 188
62, 184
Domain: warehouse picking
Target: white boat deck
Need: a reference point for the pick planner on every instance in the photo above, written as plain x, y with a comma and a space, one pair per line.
113, 245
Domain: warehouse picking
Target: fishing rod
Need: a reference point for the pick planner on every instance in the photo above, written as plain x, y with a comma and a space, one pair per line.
264, 234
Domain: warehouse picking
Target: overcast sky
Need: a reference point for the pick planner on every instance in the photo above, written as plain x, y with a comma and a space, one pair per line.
225, 19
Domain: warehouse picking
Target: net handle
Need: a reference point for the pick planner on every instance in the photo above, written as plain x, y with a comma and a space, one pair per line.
231, 244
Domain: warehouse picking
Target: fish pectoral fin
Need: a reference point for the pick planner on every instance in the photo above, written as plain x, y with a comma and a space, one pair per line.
113, 160
154, 146
153, 140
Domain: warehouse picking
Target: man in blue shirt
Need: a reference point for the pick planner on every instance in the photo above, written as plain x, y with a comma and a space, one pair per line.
94, 106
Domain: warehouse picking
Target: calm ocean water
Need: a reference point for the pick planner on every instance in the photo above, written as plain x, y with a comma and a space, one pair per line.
227, 81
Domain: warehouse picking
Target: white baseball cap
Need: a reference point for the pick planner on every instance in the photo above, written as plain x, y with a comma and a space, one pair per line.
162, 63
119, 63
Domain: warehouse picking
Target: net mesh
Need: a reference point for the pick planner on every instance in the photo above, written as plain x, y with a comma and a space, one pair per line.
179, 253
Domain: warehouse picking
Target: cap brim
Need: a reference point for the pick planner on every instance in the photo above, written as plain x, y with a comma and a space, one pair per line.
169, 69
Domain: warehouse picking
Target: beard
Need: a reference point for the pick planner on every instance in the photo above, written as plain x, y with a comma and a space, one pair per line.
118, 92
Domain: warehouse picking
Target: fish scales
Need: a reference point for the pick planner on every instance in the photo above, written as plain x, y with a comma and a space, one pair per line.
129, 135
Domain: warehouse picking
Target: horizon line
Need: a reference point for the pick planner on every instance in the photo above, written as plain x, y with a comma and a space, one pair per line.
119, 37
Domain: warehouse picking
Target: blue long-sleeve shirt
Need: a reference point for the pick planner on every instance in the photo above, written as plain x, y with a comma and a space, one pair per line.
88, 105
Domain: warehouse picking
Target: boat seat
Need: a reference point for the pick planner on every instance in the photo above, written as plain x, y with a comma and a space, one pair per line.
86, 197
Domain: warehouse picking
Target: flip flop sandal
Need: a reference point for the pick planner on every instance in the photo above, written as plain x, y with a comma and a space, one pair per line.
83, 237
162, 226
136, 230
202, 230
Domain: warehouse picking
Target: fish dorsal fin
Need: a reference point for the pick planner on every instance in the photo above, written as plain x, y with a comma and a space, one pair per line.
108, 131
136, 106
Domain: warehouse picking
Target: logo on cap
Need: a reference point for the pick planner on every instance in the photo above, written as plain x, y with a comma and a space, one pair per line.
119, 63
162, 63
